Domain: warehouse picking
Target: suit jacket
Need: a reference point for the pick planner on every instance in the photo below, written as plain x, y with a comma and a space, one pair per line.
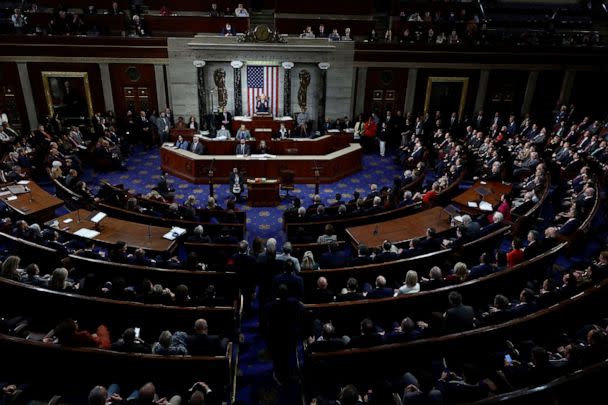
333, 260
242, 149
321, 296
459, 318
480, 270
243, 135
377, 292
294, 283
197, 148
533, 250
204, 345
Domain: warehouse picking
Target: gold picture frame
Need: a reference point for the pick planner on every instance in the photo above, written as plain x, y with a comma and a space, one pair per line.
441, 79
68, 99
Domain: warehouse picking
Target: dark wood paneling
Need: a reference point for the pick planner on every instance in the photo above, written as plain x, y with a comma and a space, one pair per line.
585, 86
10, 85
421, 83
79, 47
194, 5
383, 80
546, 96
325, 7
35, 69
194, 168
505, 92
120, 79
186, 26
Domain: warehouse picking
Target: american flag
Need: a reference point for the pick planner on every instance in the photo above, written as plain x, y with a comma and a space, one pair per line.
263, 79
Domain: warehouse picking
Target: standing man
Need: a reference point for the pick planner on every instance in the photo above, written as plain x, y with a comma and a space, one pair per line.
282, 322
236, 182
145, 130
163, 124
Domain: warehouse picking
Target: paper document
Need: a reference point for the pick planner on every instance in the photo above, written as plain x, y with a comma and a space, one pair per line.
174, 233
11, 198
23, 182
98, 217
86, 233
472, 204
3, 193
485, 206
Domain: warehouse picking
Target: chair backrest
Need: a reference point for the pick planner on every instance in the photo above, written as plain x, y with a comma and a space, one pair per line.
287, 178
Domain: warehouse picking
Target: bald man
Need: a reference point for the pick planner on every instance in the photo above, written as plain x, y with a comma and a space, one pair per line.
200, 343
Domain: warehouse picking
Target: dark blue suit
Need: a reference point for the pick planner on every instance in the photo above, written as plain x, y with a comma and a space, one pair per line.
295, 284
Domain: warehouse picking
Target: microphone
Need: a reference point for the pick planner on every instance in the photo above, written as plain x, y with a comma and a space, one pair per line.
375, 232
78, 214
149, 232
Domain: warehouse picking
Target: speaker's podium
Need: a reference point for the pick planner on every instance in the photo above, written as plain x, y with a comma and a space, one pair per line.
263, 192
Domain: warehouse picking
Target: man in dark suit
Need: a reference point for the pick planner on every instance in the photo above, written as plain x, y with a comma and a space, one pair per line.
282, 325
224, 118
322, 294
333, 258
381, 290
293, 282
242, 149
236, 183
479, 122
534, 247
386, 254
225, 237
459, 317
482, 269
328, 341
369, 336
196, 146
245, 265
282, 132
431, 242
362, 257
89, 251
201, 343
352, 293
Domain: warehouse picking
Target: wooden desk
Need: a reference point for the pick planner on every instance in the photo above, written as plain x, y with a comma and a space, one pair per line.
113, 230
193, 168
260, 122
496, 188
263, 194
400, 229
322, 145
37, 206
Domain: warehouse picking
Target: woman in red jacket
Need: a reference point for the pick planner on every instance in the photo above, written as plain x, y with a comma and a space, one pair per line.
516, 255
370, 130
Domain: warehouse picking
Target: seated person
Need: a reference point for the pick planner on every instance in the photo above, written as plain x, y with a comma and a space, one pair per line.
236, 183
282, 133
242, 148
240, 11
228, 31
262, 104
243, 133
196, 146
181, 143
201, 343
262, 148
222, 133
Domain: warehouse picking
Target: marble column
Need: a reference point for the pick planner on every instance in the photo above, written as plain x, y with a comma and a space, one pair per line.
567, 84
482, 89
238, 95
530, 90
26, 87
106, 86
410, 91
202, 92
287, 66
161, 94
323, 99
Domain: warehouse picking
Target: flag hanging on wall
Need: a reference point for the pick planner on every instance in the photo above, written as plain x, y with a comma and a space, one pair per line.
263, 80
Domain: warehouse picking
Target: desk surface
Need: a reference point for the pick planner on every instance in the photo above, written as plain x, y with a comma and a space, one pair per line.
39, 204
400, 229
114, 230
496, 189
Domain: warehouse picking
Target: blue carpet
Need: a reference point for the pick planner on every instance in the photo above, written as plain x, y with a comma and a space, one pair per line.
255, 383
144, 171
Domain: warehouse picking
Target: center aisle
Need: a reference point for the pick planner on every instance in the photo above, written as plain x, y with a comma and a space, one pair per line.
255, 382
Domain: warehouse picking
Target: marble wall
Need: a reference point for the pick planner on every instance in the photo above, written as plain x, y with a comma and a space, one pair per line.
218, 52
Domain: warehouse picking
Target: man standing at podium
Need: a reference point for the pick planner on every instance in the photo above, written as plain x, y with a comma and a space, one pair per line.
262, 105
242, 149
236, 183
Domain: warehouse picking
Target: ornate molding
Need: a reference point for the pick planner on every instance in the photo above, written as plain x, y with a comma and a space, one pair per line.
198, 63
287, 65
262, 33
324, 65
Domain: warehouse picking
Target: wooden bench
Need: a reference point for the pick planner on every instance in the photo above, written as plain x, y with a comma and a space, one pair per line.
39, 302
34, 361
187, 26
